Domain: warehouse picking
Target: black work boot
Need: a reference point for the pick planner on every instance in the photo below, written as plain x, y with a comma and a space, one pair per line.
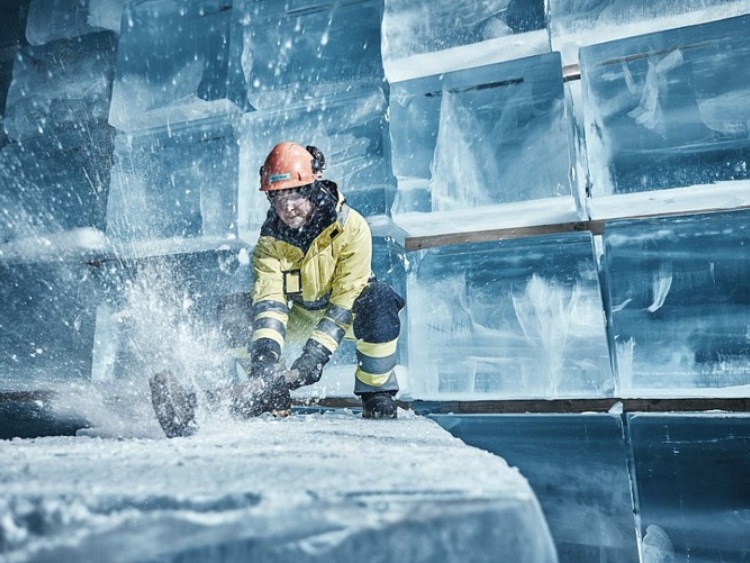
380, 404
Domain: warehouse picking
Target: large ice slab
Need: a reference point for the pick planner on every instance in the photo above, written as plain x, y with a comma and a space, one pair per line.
508, 319
60, 86
176, 61
423, 37
350, 129
308, 488
692, 485
577, 465
661, 112
56, 183
172, 312
178, 181
47, 315
305, 49
483, 136
678, 303
573, 25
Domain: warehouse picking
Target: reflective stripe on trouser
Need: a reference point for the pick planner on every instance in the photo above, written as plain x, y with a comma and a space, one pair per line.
375, 361
375, 367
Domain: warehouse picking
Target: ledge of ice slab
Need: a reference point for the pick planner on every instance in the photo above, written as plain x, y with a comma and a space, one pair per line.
497, 50
55, 247
326, 487
88, 243
533, 213
178, 245
124, 118
707, 197
570, 32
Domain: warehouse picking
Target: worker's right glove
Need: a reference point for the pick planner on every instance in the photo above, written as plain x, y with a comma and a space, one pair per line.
310, 364
267, 389
257, 396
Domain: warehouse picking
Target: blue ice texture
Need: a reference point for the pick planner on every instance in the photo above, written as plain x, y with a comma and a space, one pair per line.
132, 135
482, 136
517, 319
176, 61
306, 49
668, 109
153, 132
679, 302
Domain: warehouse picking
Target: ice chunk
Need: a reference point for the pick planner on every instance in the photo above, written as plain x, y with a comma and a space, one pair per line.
352, 132
106, 14
60, 86
106, 344
432, 497
721, 195
49, 20
657, 547
47, 313
423, 38
176, 62
164, 312
509, 319
574, 25
72, 245
305, 49
175, 182
57, 183
661, 112
482, 136
677, 303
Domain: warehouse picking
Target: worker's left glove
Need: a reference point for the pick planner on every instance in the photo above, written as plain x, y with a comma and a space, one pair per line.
310, 364
264, 357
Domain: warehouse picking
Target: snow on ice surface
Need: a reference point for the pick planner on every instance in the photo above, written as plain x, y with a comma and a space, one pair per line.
317, 487
490, 51
571, 31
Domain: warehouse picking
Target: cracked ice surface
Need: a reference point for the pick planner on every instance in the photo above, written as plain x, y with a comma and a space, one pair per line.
317, 487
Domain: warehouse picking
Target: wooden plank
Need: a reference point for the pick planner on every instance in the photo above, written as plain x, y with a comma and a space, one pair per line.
429, 241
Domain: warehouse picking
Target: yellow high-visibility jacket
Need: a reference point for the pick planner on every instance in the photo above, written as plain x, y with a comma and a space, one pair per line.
329, 274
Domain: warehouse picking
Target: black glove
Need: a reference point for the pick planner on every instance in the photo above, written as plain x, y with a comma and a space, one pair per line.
257, 396
310, 364
264, 356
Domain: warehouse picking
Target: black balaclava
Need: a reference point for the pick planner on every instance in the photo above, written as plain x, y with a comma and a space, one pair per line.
324, 196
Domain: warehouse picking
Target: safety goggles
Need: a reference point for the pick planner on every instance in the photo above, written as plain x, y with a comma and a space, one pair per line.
286, 197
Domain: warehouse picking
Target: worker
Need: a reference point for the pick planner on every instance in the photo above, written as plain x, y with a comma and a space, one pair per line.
313, 285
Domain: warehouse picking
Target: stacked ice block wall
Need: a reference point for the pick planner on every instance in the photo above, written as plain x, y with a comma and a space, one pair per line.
559, 188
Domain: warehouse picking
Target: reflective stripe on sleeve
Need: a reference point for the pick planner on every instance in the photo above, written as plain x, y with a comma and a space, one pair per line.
340, 315
260, 307
270, 319
270, 323
326, 327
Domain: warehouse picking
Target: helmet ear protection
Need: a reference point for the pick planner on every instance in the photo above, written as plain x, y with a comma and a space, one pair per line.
318, 161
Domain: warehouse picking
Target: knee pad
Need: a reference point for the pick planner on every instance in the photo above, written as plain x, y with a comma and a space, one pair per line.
376, 313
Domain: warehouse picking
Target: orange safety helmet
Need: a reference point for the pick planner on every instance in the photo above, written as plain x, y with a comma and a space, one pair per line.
289, 165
